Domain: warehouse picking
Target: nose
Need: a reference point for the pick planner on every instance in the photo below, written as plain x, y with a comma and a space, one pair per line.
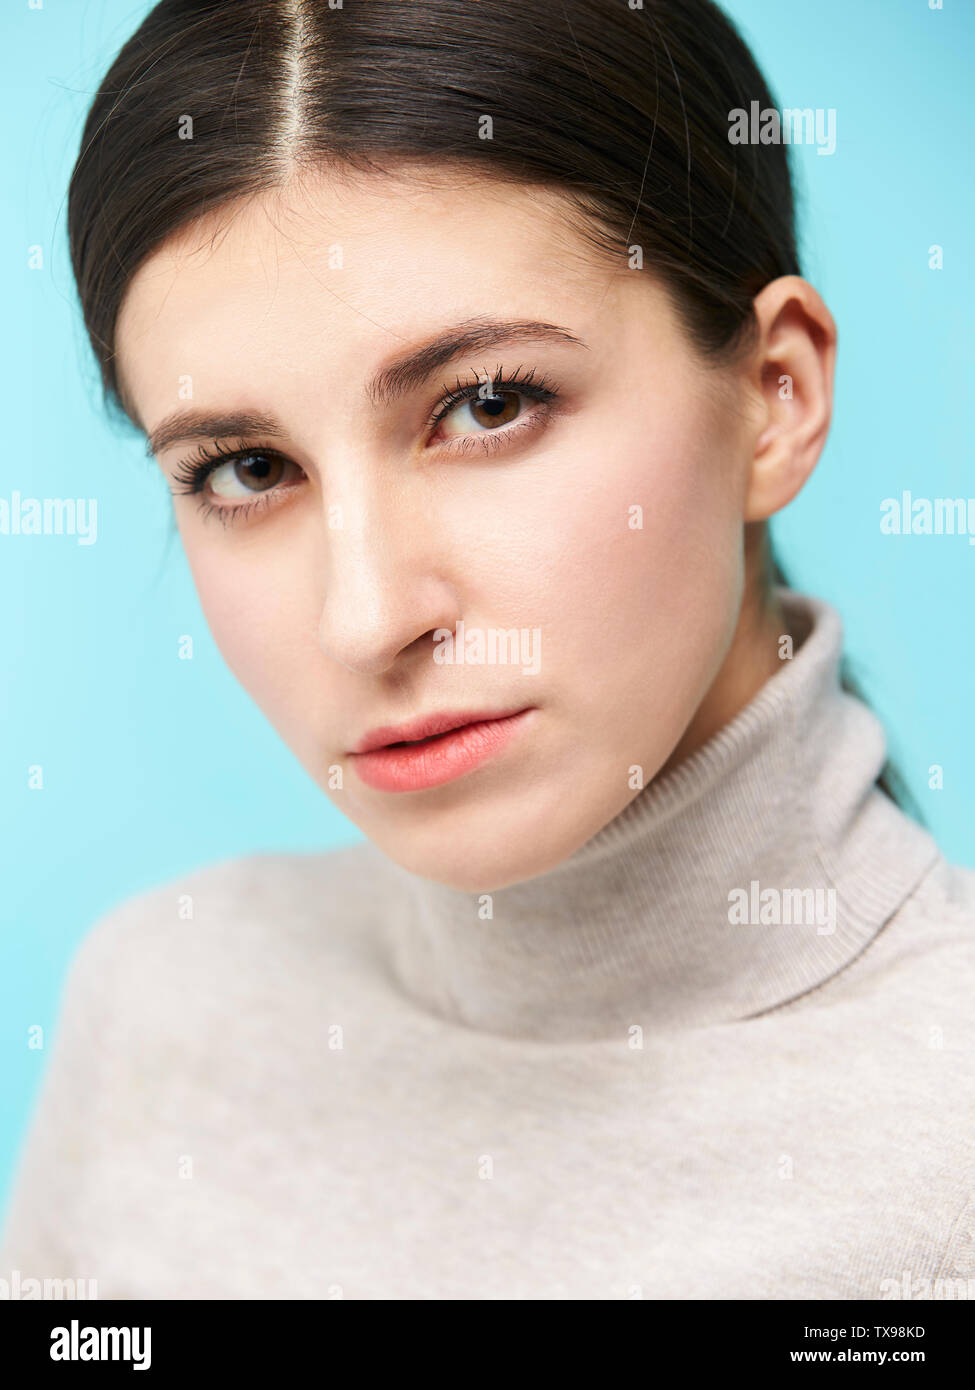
385, 584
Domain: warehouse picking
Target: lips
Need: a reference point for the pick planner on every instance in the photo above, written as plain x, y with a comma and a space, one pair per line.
426, 726
433, 749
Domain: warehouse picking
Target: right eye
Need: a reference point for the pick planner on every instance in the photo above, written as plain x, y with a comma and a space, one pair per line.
243, 476
235, 482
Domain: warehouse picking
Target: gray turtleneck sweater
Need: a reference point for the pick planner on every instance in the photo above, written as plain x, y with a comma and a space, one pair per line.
724, 1050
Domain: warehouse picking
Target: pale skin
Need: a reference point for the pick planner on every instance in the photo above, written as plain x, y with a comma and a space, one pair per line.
380, 530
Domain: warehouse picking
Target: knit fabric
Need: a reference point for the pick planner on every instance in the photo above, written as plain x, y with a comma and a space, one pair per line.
724, 1050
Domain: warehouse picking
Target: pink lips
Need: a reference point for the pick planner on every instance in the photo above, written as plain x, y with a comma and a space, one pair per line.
433, 750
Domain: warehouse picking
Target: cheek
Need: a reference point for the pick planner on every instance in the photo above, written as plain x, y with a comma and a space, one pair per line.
630, 561
628, 540
259, 620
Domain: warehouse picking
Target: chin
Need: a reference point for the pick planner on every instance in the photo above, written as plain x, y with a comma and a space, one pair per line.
490, 850
474, 869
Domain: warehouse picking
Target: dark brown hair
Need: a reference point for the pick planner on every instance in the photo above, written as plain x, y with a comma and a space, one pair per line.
623, 110
621, 105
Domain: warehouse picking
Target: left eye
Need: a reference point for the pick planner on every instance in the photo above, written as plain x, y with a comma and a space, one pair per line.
488, 411
243, 477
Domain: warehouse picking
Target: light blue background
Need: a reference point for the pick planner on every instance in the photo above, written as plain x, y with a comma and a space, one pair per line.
153, 765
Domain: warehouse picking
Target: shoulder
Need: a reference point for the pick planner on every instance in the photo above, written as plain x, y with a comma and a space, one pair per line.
920, 967
222, 927
247, 892
934, 936
941, 909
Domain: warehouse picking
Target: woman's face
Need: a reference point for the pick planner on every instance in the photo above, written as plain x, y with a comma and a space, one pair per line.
583, 547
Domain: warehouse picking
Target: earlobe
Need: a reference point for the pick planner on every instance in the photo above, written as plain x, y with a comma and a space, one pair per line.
792, 366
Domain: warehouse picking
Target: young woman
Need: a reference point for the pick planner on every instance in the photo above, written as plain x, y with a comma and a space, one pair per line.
477, 357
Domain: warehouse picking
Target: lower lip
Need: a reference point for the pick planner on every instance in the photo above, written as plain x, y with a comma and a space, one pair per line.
417, 766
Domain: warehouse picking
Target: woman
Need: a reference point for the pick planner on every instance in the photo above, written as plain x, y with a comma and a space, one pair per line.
477, 357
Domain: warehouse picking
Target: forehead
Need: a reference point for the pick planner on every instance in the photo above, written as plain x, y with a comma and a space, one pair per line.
347, 269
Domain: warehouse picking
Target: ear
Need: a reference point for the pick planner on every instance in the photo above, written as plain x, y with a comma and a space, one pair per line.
791, 367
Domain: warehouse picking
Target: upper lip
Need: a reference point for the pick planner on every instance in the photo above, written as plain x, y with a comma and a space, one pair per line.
425, 727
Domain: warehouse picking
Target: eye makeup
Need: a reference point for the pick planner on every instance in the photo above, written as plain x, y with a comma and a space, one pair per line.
194, 474
484, 385
492, 394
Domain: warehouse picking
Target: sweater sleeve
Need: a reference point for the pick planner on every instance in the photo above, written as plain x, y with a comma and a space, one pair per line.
44, 1233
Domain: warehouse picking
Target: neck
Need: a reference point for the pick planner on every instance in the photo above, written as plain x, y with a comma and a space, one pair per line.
753, 657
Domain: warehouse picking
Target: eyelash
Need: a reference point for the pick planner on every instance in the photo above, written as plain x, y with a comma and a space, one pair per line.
194, 471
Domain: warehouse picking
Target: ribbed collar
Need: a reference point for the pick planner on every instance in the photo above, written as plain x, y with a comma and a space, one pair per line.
642, 927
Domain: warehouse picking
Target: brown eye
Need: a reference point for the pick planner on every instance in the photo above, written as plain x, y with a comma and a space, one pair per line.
259, 472
486, 412
252, 473
496, 410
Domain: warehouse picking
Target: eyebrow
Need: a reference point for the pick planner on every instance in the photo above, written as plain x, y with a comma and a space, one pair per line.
404, 374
